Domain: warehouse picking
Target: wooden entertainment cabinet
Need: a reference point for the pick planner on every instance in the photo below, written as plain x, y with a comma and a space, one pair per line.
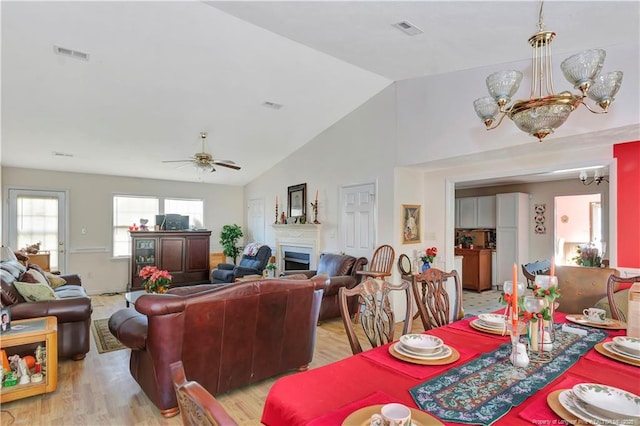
184, 254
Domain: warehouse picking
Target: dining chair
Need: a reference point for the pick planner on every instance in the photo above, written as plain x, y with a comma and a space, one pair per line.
619, 311
379, 267
436, 306
197, 405
377, 318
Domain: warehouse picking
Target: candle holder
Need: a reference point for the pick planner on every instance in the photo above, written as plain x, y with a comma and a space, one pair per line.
314, 206
276, 221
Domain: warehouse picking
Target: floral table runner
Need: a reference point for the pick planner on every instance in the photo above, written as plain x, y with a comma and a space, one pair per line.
483, 390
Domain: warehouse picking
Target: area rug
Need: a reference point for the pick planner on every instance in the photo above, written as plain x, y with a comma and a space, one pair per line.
105, 341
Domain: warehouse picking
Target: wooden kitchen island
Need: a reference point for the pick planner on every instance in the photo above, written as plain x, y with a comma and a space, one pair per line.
476, 268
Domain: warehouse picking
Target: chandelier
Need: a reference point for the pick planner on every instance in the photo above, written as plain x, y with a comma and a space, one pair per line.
545, 110
597, 178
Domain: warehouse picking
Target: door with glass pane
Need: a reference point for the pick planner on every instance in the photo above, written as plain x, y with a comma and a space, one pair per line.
39, 217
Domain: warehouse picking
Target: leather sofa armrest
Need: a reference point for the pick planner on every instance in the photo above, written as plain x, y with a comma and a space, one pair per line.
226, 266
241, 271
66, 310
130, 328
341, 281
72, 279
321, 281
160, 304
193, 289
308, 273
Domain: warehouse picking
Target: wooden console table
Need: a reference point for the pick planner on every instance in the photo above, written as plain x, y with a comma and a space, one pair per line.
34, 330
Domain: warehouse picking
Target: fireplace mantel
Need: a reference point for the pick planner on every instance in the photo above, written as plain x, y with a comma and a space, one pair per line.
305, 237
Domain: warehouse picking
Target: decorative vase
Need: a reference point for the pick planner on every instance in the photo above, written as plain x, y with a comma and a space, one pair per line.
425, 266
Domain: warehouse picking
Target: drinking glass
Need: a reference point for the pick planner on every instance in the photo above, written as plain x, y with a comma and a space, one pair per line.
514, 372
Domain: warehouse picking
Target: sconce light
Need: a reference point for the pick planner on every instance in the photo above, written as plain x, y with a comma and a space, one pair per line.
597, 178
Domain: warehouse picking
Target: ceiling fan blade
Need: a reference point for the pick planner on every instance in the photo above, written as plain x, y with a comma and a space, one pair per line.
177, 161
231, 166
226, 161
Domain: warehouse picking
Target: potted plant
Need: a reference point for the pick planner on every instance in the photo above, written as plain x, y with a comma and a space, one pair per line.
466, 241
229, 237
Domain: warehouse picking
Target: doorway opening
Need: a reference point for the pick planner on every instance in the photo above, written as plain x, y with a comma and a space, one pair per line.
578, 222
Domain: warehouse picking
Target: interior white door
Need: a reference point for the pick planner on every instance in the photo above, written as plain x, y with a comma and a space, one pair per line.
255, 233
39, 216
358, 224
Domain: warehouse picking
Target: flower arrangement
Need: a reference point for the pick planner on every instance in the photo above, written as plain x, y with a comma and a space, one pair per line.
588, 255
466, 240
155, 280
271, 266
429, 255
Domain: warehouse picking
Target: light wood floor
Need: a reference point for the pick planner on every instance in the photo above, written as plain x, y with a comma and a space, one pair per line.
100, 390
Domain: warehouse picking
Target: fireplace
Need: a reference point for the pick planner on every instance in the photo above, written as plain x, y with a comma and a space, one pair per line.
297, 246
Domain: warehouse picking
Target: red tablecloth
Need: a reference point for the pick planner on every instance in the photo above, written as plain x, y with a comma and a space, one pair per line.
331, 391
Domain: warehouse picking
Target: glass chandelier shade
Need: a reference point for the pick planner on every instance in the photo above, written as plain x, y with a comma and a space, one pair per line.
545, 110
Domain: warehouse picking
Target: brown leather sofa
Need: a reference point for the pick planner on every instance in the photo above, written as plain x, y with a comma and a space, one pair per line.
226, 336
341, 268
72, 309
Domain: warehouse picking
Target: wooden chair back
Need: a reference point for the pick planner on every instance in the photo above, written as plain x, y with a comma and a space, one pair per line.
197, 405
539, 267
613, 285
382, 259
436, 306
376, 318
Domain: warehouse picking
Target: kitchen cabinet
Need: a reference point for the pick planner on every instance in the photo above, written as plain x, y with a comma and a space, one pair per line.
184, 254
476, 268
512, 234
476, 212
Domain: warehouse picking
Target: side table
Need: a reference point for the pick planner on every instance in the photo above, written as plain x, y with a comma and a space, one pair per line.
34, 330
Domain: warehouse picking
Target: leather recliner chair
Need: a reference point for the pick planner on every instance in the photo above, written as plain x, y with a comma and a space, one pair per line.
226, 336
249, 265
341, 269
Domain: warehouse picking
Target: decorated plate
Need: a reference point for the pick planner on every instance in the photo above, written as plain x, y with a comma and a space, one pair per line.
608, 349
478, 326
609, 401
609, 323
422, 343
621, 351
453, 357
630, 345
491, 325
362, 417
554, 403
569, 402
493, 320
442, 353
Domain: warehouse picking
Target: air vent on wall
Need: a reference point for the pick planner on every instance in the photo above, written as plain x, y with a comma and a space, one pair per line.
71, 53
408, 28
61, 154
271, 105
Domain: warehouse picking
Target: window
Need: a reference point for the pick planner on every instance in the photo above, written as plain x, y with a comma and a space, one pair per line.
128, 210
192, 208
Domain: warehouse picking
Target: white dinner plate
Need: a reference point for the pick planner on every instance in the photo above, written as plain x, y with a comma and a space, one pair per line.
424, 344
490, 325
630, 345
444, 353
611, 346
609, 401
569, 401
493, 320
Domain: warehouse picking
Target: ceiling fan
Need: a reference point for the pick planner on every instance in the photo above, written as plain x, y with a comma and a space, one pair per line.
204, 160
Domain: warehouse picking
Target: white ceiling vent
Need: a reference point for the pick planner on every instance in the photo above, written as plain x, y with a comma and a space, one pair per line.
271, 105
408, 28
71, 53
61, 154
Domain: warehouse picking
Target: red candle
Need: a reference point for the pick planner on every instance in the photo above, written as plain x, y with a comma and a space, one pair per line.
316, 195
514, 295
276, 200
552, 271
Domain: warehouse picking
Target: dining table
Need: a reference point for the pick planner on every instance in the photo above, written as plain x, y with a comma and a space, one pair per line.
455, 393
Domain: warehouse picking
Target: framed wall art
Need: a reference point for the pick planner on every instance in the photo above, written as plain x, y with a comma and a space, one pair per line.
297, 200
411, 224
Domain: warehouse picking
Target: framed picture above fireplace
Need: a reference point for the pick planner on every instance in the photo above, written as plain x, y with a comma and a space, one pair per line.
297, 201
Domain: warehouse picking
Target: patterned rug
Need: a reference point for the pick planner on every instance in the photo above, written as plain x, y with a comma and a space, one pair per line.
105, 341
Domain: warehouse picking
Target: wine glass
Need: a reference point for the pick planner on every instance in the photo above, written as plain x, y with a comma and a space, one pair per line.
545, 281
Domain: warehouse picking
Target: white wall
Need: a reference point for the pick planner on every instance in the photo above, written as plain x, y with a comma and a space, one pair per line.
90, 207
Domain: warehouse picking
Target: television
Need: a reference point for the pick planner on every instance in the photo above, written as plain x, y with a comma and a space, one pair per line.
172, 222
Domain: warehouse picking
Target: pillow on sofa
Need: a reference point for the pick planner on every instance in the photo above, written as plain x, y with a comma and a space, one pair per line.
33, 266
35, 292
55, 281
33, 276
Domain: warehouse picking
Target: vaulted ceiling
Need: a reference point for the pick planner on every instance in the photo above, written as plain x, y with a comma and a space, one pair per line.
159, 73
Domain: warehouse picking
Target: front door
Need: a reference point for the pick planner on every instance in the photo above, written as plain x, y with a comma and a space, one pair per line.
256, 221
39, 217
357, 226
